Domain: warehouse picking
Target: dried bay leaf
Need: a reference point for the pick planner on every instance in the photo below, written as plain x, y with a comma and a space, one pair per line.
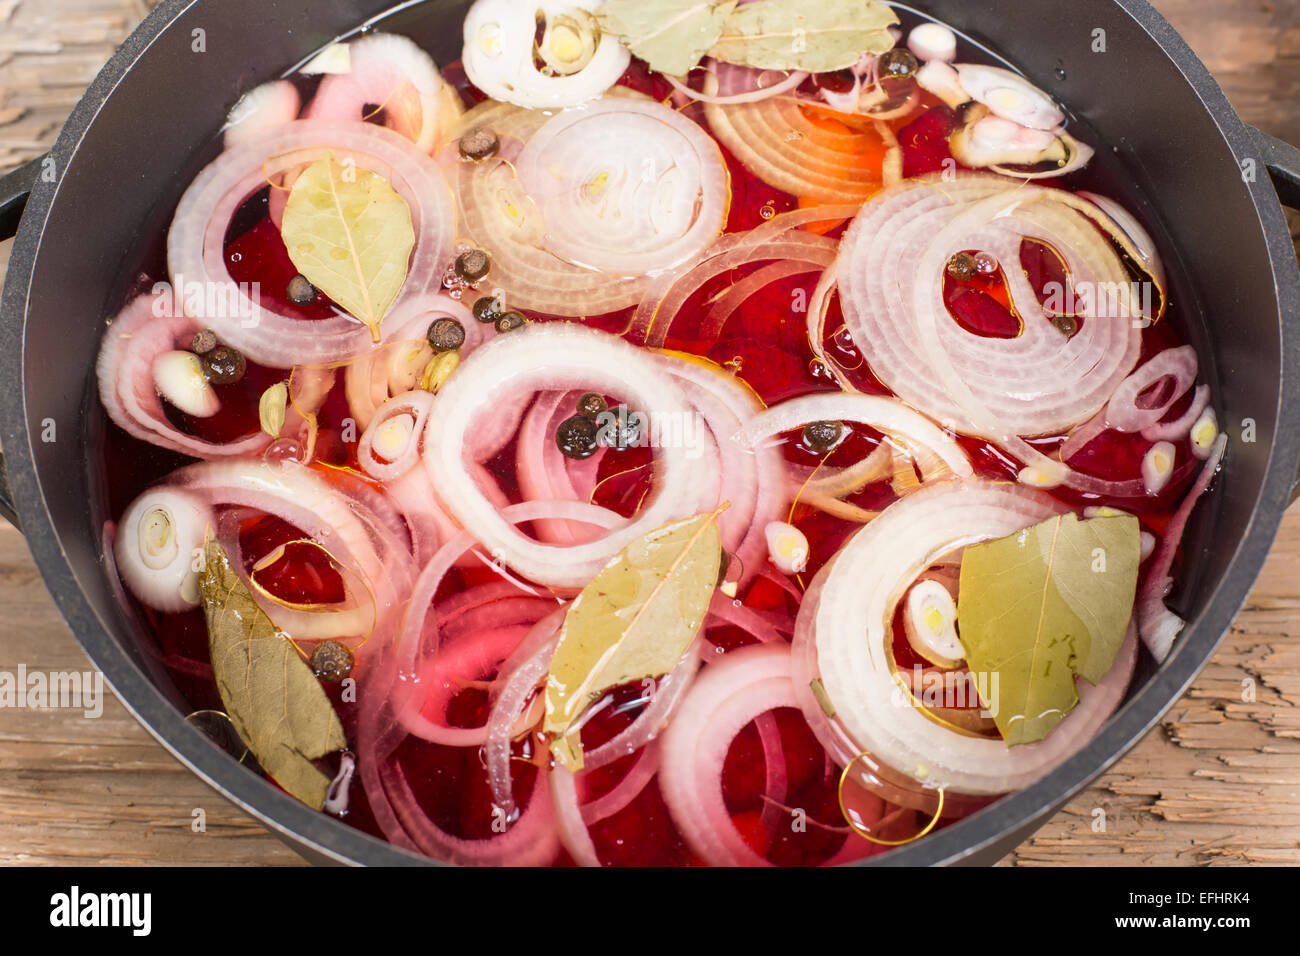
273, 699
796, 35
634, 620
350, 234
1042, 606
670, 35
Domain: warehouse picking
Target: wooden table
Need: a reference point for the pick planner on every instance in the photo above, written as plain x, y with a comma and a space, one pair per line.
1218, 782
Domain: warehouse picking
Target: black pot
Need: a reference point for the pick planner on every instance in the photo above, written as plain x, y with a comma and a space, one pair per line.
145, 128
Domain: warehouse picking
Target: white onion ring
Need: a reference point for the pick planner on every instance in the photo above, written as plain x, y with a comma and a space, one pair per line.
499, 217
1123, 412
498, 54
539, 357
196, 253
143, 330
158, 538
415, 407
730, 693
860, 589
389, 71
1179, 427
626, 186
260, 111
884, 414
777, 141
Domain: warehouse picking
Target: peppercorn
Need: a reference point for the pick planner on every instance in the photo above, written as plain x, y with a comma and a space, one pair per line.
508, 321
223, 365
331, 661
576, 437
203, 342
446, 334
472, 266
619, 428
1068, 324
479, 145
963, 267
897, 64
301, 291
591, 405
822, 437
487, 309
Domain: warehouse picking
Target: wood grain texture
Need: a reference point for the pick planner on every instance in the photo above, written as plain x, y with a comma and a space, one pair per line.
1217, 783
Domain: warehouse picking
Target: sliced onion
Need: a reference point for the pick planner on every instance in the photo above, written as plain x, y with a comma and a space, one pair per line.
802, 148
1137, 234
260, 111
145, 329
499, 52
856, 595
1123, 411
396, 367
359, 528
625, 187
890, 276
1159, 626
389, 72
933, 41
540, 357
1010, 95
500, 217
390, 445
159, 539
196, 241
764, 84
1077, 155
884, 414
728, 695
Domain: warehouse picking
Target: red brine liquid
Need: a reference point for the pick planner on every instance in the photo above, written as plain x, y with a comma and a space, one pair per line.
764, 343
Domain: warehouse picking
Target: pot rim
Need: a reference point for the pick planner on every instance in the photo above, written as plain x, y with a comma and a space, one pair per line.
327, 839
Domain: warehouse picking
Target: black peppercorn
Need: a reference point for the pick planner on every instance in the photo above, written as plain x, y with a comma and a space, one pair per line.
224, 365
822, 437
472, 266
1068, 324
591, 405
203, 342
619, 428
300, 291
576, 437
897, 64
487, 309
446, 334
331, 661
508, 321
480, 144
963, 267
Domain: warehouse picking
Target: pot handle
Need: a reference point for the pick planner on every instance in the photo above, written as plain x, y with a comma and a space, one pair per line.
1283, 163
15, 187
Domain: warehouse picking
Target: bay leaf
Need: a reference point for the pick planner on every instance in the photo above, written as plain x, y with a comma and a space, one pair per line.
634, 620
797, 35
350, 234
274, 701
1042, 606
670, 35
